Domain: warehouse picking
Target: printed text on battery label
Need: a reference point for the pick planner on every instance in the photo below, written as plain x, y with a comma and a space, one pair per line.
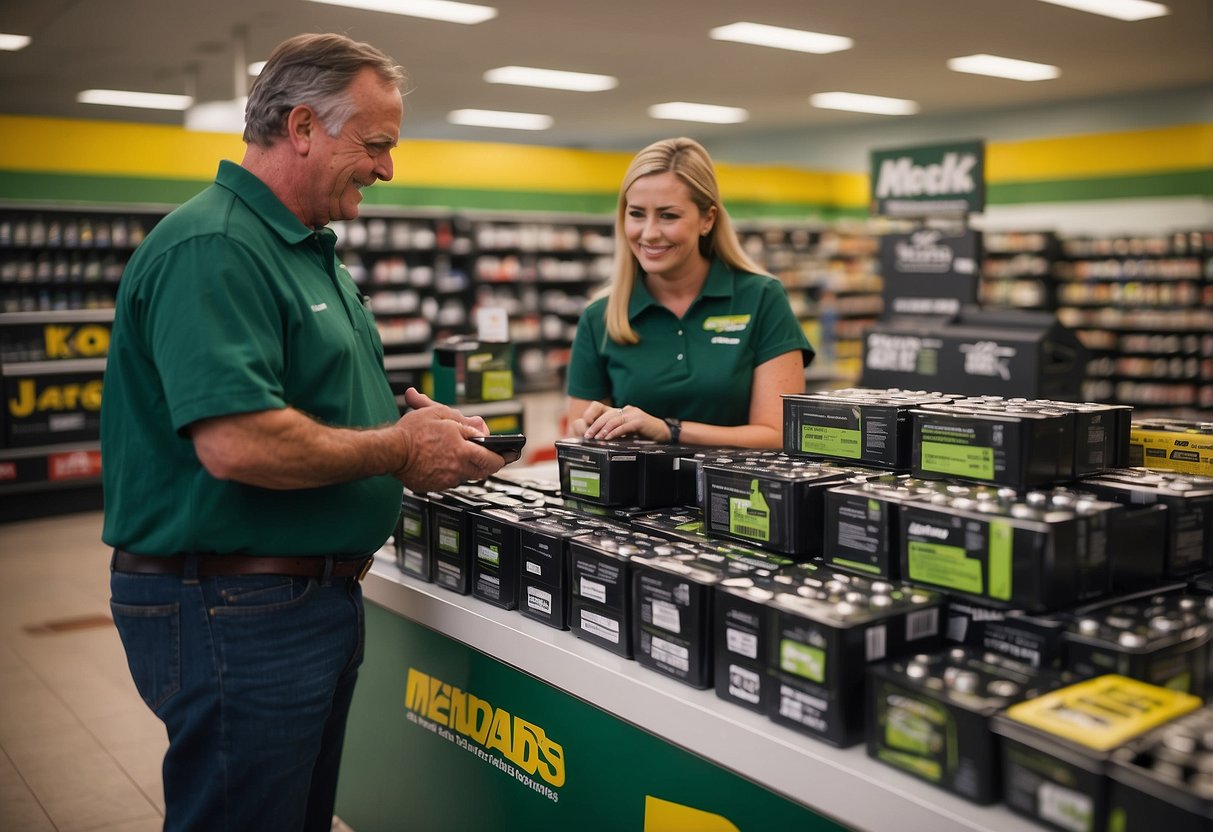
831, 441
600, 626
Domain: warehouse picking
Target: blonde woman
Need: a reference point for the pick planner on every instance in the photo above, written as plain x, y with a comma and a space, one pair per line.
691, 342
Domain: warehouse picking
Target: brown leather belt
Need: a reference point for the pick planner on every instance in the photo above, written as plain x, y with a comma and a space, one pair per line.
210, 565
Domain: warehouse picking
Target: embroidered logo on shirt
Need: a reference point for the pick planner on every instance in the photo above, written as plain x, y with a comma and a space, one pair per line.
720, 339
726, 323
319, 307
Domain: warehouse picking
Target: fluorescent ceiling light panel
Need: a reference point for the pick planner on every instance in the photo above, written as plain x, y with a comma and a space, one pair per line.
11, 43
500, 118
859, 103
444, 10
552, 79
708, 113
777, 37
1003, 67
142, 100
1119, 9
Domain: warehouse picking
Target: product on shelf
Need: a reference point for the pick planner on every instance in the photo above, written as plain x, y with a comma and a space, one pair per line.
1056, 747
929, 716
1173, 445
414, 554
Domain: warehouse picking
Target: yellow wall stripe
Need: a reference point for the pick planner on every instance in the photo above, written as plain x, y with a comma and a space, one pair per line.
1184, 147
65, 146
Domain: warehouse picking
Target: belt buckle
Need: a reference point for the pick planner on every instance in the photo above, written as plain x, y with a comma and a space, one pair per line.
366, 567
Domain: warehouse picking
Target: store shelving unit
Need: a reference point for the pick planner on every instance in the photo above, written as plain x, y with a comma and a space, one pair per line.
1143, 306
1017, 270
833, 282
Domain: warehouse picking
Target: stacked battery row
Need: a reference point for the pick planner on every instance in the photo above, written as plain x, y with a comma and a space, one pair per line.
819, 584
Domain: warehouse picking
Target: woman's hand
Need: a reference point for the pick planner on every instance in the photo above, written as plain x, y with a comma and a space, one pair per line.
600, 421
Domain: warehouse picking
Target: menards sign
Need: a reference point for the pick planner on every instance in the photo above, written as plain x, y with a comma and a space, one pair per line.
930, 180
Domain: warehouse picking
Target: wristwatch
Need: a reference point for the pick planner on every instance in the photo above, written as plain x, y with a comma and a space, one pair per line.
675, 426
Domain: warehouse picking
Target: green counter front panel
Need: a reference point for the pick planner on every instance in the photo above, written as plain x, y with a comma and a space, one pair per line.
443, 737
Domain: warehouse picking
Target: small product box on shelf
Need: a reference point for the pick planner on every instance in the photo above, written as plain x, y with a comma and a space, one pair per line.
1188, 541
826, 633
451, 537
774, 502
544, 591
1056, 747
672, 524
1163, 640
1040, 552
866, 427
1018, 446
1101, 434
1172, 445
467, 370
600, 572
1164, 779
929, 715
413, 553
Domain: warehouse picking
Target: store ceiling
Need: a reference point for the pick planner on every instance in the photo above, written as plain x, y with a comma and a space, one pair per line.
659, 50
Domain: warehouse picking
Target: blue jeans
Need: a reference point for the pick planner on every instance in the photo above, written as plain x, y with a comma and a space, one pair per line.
253, 677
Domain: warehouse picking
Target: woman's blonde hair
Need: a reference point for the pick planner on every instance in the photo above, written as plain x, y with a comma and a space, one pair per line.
686, 159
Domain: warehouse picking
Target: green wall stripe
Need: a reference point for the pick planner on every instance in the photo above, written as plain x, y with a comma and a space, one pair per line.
21, 186
1181, 183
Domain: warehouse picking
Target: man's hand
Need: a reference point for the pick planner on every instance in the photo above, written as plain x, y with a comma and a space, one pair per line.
438, 455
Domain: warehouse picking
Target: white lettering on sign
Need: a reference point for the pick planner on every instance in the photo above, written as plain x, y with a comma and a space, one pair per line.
987, 358
902, 178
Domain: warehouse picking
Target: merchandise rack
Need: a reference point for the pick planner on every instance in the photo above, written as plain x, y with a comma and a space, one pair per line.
842, 784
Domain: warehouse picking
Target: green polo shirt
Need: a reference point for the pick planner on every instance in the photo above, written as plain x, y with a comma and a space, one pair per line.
699, 367
232, 305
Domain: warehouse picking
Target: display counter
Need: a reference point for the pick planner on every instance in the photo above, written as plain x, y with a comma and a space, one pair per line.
626, 748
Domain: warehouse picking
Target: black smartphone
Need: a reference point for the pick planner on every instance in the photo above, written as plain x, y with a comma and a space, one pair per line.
507, 445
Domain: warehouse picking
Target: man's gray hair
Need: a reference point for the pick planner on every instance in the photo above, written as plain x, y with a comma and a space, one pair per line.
315, 70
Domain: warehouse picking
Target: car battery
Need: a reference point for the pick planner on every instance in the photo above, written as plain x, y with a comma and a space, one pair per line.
866, 429
776, 503
1101, 434
600, 589
1172, 445
1163, 640
619, 473
741, 630
825, 633
862, 532
1044, 551
543, 587
672, 524
1034, 640
1187, 544
1056, 748
929, 715
414, 554
1014, 446
451, 538
1164, 779
496, 533
689, 469
672, 609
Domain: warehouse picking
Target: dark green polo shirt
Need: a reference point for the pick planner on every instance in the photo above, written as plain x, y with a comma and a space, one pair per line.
699, 368
231, 305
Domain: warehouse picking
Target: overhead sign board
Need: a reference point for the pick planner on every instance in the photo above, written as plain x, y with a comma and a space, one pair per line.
933, 180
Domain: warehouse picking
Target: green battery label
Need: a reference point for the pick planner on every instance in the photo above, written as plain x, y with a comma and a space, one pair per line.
958, 460
750, 516
1000, 559
448, 540
585, 483
841, 442
935, 563
412, 526
802, 660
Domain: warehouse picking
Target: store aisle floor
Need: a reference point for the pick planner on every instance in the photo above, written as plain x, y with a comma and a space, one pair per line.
78, 749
